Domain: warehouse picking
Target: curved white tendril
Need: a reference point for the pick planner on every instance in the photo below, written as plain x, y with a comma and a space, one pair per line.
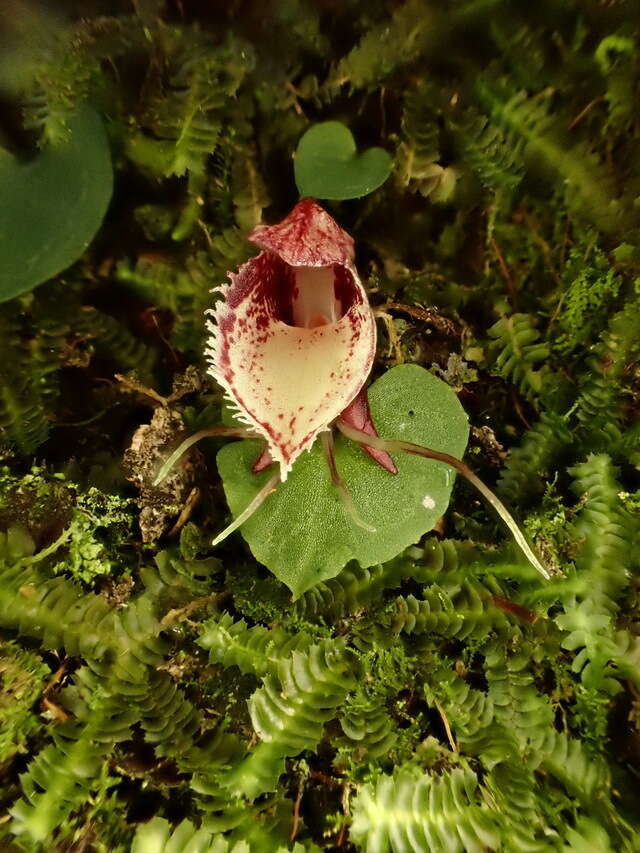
398, 446
268, 488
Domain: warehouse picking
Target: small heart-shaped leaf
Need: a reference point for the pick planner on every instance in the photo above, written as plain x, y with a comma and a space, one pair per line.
52, 205
327, 164
302, 532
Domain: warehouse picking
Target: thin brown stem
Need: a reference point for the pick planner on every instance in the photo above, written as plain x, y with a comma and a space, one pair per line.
447, 727
179, 614
295, 824
583, 112
131, 384
185, 514
504, 269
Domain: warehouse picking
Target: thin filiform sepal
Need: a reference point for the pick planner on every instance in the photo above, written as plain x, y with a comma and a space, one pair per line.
398, 446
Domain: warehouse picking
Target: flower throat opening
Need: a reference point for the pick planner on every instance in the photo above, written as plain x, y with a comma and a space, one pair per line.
309, 297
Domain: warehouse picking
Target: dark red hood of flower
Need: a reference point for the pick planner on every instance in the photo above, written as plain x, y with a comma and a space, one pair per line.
307, 237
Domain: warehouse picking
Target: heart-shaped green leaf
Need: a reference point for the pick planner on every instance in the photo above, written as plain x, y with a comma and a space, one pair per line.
302, 532
52, 205
327, 164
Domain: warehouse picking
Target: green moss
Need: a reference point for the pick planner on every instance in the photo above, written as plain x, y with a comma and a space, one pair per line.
590, 288
22, 679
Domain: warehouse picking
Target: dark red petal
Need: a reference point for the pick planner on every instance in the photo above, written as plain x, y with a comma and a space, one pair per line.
307, 237
357, 415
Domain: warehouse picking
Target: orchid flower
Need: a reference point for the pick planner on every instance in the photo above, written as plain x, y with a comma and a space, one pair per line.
293, 339
292, 343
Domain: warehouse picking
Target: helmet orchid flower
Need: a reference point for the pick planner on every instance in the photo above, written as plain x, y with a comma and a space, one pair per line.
292, 342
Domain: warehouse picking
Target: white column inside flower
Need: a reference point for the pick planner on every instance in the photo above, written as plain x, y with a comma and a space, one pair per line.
314, 302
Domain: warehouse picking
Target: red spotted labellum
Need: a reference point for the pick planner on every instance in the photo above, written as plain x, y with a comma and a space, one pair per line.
293, 338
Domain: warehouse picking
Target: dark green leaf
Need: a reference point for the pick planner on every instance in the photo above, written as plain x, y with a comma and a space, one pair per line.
303, 534
327, 164
52, 205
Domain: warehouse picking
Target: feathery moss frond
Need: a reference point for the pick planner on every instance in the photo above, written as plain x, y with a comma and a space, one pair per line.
606, 532
600, 401
352, 589
493, 155
410, 812
157, 836
254, 651
289, 711
60, 778
26, 379
382, 50
519, 353
22, 675
517, 704
531, 465
189, 115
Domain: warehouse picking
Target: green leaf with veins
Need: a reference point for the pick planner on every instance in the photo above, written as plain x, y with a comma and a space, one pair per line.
303, 533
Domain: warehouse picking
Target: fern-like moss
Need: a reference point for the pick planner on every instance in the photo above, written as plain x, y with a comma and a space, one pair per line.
512, 788
519, 353
418, 154
492, 154
369, 728
412, 812
289, 711
607, 534
434, 613
467, 612
61, 776
115, 342
352, 589
200, 79
468, 709
615, 56
606, 531
517, 704
254, 651
438, 557
588, 779
174, 574
168, 719
22, 675
531, 465
599, 401
591, 286
381, 51
25, 419
527, 118
250, 195
157, 836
